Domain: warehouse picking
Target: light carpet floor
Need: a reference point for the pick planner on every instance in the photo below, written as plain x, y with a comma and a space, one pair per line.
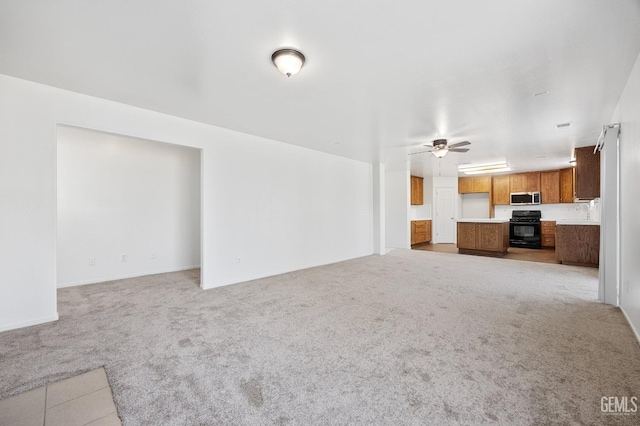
408, 338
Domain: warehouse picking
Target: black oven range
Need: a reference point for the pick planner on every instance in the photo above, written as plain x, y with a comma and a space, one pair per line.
524, 229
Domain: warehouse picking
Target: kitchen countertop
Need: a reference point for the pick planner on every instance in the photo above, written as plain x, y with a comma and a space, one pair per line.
576, 222
414, 220
484, 220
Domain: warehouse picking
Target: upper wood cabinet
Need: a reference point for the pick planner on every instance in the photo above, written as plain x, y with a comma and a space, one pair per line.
587, 173
417, 190
533, 182
518, 182
467, 185
567, 193
550, 187
524, 182
501, 190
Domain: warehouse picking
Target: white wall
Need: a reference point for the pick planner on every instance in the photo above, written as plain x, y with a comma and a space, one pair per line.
397, 201
628, 114
124, 196
274, 206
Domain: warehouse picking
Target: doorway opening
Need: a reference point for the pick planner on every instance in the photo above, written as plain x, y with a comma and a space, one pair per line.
126, 207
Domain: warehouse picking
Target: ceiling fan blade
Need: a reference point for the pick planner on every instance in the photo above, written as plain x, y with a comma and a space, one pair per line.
459, 149
456, 145
419, 152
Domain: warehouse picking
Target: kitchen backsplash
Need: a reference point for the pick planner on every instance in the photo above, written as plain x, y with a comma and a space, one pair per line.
568, 211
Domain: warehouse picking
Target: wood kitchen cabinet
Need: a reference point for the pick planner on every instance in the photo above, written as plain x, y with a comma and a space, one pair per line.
587, 173
417, 190
518, 182
420, 231
567, 179
479, 237
475, 184
500, 186
533, 182
550, 187
548, 233
578, 244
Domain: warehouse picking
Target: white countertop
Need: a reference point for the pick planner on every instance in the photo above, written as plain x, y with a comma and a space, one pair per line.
576, 222
484, 220
427, 218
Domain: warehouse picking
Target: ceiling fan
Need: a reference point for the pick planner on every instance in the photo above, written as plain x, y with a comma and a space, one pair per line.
441, 148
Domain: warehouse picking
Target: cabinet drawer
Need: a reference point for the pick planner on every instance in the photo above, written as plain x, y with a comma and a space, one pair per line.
548, 228
421, 238
421, 227
548, 241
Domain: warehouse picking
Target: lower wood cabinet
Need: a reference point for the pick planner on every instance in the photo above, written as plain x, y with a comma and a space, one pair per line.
578, 244
483, 237
420, 231
548, 233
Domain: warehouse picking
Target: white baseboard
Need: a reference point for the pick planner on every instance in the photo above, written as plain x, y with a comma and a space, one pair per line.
35, 321
123, 277
635, 332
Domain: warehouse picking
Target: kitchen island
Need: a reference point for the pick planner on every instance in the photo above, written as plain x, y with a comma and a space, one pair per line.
483, 236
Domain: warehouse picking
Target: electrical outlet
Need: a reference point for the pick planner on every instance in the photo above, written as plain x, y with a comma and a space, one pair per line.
238, 260
153, 255
123, 258
92, 261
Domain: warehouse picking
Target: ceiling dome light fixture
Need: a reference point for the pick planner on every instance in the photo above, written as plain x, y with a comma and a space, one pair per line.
288, 61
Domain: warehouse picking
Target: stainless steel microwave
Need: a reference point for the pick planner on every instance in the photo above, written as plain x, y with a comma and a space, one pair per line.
524, 198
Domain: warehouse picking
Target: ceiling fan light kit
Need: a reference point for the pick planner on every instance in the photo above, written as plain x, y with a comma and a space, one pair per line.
439, 148
440, 152
288, 61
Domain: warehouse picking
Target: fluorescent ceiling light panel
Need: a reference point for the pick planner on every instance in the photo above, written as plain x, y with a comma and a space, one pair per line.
486, 168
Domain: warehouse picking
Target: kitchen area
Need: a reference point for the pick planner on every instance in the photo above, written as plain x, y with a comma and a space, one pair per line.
552, 214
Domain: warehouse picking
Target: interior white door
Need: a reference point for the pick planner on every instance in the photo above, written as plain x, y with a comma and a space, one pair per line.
445, 218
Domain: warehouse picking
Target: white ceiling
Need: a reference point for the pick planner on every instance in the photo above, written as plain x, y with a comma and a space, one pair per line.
381, 78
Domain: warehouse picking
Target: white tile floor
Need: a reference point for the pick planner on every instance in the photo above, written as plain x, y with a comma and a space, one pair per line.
82, 400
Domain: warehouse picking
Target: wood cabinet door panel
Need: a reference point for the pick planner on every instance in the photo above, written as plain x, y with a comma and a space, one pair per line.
518, 182
489, 236
481, 184
465, 185
417, 191
500, 189
533, 182
550, 187
566, 185
587, 184
466, 235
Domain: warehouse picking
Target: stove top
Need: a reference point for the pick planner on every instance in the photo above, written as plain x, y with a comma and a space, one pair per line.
526, 216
